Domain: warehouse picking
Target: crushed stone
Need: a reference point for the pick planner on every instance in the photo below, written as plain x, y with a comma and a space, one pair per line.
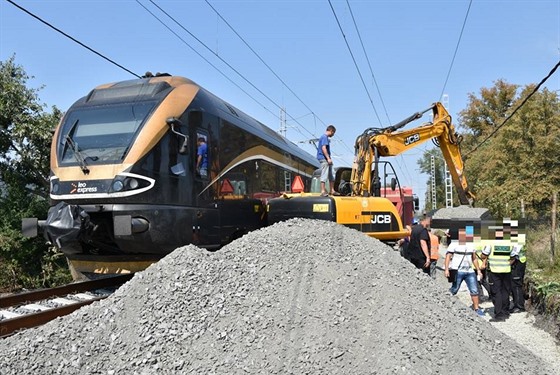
297, 297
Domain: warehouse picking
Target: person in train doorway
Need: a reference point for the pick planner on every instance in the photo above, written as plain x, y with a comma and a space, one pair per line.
419, 245
324, 157
202, 158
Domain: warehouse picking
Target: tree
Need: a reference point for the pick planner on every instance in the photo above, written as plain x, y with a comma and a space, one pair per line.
25, 131
25, 137
518, 162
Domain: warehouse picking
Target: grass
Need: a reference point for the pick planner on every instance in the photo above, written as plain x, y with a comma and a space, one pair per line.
543, 272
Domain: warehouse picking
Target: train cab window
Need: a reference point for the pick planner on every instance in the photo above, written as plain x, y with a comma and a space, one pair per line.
101, 134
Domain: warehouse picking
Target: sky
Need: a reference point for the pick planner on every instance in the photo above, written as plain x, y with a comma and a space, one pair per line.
354, 64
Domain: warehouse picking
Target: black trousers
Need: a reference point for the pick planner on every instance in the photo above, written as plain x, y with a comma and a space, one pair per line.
500, 289
517, 275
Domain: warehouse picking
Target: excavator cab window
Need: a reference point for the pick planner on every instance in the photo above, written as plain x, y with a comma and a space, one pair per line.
343, 175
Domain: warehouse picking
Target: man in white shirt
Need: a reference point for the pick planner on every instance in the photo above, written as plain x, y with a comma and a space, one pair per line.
461, 256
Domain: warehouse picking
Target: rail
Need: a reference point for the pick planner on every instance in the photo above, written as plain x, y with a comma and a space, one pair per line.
34, 308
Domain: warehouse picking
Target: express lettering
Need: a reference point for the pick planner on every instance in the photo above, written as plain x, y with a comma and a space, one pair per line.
83, 188
411, 139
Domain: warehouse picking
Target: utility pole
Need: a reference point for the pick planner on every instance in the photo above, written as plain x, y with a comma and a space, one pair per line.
283, 127
433, 184
448, 187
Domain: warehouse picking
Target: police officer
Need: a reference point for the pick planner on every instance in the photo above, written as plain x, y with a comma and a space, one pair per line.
497, 256
519, 260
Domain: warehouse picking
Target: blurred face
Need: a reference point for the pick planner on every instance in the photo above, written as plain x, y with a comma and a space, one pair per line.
462, 236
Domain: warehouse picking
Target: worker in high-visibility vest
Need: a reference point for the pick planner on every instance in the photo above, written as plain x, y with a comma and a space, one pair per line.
497, 258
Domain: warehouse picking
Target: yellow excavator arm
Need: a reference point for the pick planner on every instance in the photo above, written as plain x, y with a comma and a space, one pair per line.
391, 141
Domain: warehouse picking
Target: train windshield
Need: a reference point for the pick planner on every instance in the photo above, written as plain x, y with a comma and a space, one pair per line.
101, 134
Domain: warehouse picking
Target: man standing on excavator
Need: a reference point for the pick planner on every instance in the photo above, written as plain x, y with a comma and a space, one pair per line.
324, 157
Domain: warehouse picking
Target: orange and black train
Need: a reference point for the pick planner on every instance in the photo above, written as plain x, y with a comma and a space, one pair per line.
124, 186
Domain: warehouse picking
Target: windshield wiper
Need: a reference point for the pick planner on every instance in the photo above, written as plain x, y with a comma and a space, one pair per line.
77, 154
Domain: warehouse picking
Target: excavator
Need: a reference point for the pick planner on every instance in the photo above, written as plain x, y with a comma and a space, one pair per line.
363, 203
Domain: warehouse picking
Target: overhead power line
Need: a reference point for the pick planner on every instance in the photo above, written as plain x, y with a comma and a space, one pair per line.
456, 49
261, 59
369, 64
73, 39
205, 59
228, 64
355, 63
517, 108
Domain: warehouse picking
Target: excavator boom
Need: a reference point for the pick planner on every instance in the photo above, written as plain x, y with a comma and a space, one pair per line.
392, 141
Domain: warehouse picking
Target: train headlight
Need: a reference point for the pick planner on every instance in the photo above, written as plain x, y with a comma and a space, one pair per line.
117, 185
131, 183
54, 187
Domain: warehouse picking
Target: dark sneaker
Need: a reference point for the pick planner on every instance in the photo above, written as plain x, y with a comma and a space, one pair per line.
497, 319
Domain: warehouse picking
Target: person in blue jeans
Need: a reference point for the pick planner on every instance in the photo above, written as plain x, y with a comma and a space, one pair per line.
461, 256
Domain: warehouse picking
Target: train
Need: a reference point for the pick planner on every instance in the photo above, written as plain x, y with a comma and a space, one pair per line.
124, 186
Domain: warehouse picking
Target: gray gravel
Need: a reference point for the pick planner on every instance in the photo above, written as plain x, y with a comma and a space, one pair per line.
297, 297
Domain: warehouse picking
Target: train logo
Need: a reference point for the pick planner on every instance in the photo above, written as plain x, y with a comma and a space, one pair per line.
81, 187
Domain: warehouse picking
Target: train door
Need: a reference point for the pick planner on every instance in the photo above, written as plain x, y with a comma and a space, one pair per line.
206, 216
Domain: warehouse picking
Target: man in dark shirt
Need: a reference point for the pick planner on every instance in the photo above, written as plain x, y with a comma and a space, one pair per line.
419, 245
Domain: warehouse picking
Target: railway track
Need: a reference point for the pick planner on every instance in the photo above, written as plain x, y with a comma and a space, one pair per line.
34, 308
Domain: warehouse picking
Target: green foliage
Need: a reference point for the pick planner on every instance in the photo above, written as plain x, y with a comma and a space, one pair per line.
518, 165
515, 167
25, 136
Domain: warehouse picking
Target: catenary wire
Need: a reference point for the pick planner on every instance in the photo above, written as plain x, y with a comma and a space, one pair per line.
402, 166
355, 63
456, 49
229, 65
205, 59
517, 108
261, 59
73, 39
369, 64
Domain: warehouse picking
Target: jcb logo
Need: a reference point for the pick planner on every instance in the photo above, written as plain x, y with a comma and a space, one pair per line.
411, 139
381, 219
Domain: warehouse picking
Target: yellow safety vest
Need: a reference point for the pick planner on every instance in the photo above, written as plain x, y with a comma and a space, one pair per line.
498, 260
522, 255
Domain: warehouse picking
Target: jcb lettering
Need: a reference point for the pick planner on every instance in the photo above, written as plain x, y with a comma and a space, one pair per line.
381, 219
411, 139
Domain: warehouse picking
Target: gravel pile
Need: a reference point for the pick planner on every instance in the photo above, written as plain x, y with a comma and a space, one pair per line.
297, 297
461, 213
